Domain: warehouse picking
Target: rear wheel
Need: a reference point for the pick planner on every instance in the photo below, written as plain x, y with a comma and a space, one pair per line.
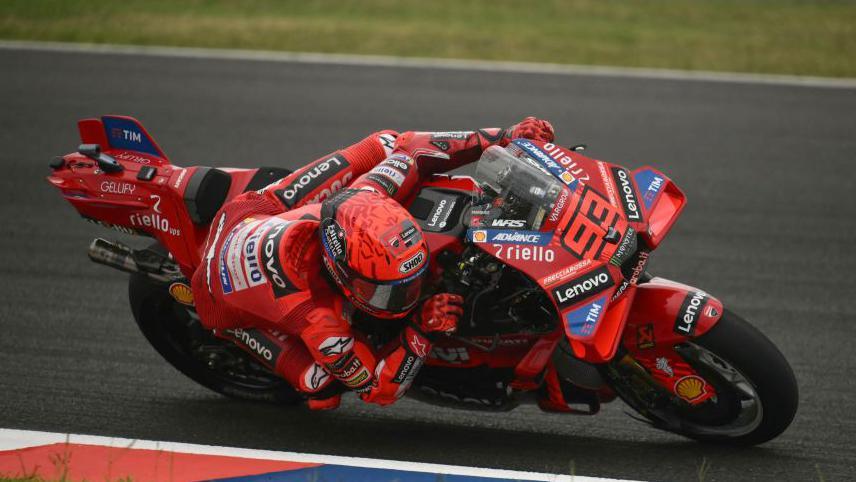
756, 391
174, 330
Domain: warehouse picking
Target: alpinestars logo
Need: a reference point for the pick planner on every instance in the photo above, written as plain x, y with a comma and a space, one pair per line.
629, 198
688, 315
315, 377
583, 287
311, 179
336, 345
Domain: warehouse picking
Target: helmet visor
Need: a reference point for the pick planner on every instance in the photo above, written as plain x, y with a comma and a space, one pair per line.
391, 296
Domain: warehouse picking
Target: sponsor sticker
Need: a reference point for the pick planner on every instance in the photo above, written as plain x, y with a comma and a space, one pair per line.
650, 184
627, 194
508, 223
587, 285
384, 182
336, 345
450, 135
393, 174
257, 343
127, 134
418, 346
334, 239
566, 272
662, 364
502, 236
583, 321
401, 237
688, 315
566, 161
155, 221
626, 247
409, 365
645, 336
311, 178
441, 212
182, 293
113, 187
400, 162
315, 377
690, 388
271, 263
547, 162
387, 142
412, 263
225, 279
514, 252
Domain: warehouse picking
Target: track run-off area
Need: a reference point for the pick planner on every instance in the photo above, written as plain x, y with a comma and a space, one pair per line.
769, 168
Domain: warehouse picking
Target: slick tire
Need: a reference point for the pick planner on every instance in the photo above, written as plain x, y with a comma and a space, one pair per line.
172, 332
763, 365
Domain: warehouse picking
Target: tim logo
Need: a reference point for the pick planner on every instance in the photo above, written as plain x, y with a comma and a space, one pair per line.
133, 136
584, 235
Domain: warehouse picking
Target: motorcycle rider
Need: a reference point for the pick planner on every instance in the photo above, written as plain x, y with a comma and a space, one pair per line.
261, 284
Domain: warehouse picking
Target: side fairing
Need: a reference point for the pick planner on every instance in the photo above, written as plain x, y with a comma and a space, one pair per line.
588, 253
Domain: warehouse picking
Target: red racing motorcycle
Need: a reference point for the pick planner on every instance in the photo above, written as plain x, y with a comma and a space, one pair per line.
548, 247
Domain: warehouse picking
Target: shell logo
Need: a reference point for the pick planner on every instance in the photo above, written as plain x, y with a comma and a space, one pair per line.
690, 388
181, 293
567, 177
479, 236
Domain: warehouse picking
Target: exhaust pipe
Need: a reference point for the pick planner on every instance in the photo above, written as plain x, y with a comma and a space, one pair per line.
118, 256
114, 255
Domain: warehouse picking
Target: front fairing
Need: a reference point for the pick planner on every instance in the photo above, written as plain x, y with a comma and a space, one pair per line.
583, 237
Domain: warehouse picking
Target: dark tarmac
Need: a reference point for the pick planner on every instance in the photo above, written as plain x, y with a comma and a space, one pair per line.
769, 171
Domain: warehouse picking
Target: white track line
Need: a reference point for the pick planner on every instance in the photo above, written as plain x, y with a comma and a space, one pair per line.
433, 63
17, 439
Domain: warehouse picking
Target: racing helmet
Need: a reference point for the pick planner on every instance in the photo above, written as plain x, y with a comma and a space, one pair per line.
374, 251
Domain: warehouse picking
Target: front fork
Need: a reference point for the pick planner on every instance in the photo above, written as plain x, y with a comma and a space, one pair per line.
664, 315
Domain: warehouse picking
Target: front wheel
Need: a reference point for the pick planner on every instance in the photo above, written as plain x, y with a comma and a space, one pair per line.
757, 395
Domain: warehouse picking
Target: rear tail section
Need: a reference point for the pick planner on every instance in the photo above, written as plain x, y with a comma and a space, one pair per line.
116, 132
120, 178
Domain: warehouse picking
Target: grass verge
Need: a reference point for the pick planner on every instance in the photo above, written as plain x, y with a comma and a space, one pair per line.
786, 36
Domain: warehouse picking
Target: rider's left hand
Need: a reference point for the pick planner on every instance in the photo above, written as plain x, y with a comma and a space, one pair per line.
533, 128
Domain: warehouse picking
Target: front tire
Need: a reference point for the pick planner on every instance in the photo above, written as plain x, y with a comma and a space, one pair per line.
757, 394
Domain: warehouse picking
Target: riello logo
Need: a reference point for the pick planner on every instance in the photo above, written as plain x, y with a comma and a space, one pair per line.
155, 221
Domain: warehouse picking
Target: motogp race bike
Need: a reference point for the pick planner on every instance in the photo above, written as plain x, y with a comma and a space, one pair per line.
549, 248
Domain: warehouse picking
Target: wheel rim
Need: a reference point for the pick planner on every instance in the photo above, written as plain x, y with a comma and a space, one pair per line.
734, 390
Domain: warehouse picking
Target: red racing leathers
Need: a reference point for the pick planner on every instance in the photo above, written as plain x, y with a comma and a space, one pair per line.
261, 282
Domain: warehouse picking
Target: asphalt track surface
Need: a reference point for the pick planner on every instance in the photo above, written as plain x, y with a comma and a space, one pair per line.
769, 171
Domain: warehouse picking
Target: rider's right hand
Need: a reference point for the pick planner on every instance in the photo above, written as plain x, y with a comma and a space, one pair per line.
440, 313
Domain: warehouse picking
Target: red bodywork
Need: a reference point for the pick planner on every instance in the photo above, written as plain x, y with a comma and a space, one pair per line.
601, 201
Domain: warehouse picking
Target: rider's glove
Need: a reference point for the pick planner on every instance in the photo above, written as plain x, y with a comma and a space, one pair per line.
532, 128
439, 314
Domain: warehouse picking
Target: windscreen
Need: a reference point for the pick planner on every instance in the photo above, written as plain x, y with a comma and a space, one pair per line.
518, 192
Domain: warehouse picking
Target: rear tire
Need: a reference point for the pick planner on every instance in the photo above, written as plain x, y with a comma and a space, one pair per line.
175, 332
